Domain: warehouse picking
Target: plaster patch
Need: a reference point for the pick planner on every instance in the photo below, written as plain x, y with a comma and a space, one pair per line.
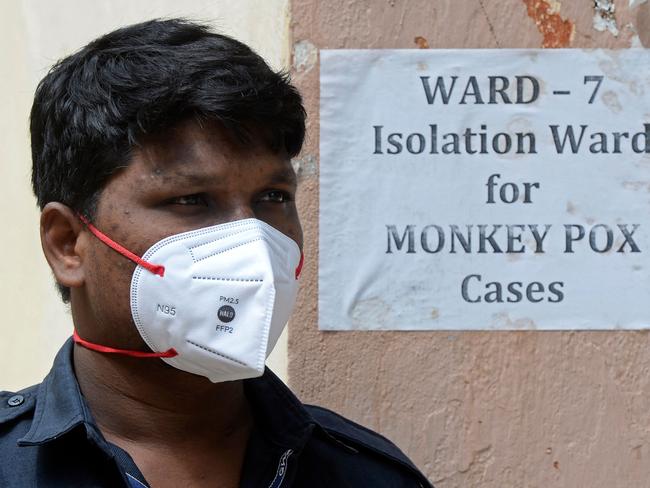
604, 18
305, 55
556, 32
636, 3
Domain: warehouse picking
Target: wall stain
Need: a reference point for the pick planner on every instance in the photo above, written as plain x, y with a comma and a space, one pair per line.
637, 185
373, 311
502, 320
556, 31
421, 42
570, 208
610, 99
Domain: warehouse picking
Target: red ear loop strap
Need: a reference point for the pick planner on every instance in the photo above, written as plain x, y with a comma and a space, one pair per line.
169, 353
299, 267
154, 268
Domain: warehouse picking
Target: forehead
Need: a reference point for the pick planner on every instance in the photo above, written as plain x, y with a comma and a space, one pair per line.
199, 149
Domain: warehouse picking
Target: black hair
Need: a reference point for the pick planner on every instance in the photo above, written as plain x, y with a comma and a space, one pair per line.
92, 107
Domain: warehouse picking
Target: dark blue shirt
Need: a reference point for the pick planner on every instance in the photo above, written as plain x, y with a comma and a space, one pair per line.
48, 438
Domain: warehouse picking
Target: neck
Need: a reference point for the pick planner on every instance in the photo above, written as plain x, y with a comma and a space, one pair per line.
144, 400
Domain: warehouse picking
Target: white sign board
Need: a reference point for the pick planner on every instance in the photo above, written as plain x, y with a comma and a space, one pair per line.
484, 189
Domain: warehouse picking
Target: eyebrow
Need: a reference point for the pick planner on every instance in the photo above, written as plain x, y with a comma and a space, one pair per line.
284, 175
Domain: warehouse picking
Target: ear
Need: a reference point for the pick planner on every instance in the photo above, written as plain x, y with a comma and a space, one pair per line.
63, 243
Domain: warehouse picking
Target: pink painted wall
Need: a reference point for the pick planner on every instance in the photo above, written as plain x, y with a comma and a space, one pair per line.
488, 409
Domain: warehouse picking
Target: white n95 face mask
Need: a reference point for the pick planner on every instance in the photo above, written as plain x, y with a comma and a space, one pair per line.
212, 301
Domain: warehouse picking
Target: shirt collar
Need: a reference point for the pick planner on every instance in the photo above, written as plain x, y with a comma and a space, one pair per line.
59, 404
278, 413
60, 407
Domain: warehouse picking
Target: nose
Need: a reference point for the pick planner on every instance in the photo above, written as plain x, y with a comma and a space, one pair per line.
237, 212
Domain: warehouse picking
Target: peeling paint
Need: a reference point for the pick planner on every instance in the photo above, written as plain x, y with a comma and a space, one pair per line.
305, 165
636, 3
635, 40
554, 6
604, 18
305, 55
421, 42
556, 32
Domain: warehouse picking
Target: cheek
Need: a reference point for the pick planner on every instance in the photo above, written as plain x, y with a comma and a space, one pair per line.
295, 232
295, 229
108, 282
285, 220
289, 224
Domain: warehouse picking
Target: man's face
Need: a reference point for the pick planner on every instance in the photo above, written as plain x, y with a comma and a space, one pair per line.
188, 177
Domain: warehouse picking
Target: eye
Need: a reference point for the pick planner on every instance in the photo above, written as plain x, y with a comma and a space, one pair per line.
276, 196
195, 199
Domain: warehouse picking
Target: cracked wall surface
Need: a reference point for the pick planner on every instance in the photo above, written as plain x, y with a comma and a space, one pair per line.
489, 409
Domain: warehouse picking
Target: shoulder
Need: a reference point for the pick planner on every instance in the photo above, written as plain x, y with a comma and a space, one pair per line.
346, 429
16, 415
16, 406
366, 451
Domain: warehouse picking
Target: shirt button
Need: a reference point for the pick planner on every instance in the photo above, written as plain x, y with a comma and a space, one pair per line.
15, 400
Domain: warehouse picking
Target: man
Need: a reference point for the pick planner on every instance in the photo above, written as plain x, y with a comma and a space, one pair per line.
161, 162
